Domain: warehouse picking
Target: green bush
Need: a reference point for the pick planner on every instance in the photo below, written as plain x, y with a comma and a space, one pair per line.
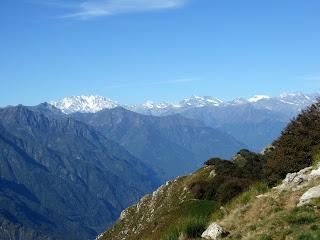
213, 161
232, 177
293, 150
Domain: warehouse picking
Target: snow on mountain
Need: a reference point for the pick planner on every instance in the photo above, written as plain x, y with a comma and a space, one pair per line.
152, 105
257, 98
286, 101
196, 101
85, 104
297, 98
238, 101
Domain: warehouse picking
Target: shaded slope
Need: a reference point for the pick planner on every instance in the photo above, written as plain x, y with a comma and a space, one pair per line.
61, 178
173, 145
254, 127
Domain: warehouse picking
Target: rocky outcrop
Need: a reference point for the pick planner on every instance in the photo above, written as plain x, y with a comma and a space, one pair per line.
316, 172
296, 181
309, 195
212, 173
214, 232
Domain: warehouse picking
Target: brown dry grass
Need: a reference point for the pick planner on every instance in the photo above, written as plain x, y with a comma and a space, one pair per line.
268, 216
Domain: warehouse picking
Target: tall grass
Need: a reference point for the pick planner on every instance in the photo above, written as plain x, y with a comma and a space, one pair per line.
316, 158
241, 199
192, 220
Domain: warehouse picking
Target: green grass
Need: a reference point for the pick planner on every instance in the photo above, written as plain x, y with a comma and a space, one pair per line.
264, 237
241, 199
316, 158
193, 227
309, 235
192, 219
200, 208
301, 216
172, 233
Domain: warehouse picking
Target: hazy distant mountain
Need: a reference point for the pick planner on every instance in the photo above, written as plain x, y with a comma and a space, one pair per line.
172, 145
255, 127
288, 102
61, 179
256, 121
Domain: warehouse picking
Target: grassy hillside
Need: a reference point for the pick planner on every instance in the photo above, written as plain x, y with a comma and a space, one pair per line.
272, 215
238, 194
171, 205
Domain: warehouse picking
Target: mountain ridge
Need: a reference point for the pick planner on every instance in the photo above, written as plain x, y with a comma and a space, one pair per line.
173, 144
95, 103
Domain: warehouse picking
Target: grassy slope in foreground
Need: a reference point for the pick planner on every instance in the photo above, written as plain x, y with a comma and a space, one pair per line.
259, 213
273, 215
171, 205
235, 185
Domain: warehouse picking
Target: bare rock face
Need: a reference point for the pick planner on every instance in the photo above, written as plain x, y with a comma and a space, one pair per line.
309, 195
212, 173
316, 172
295, 181
214, 232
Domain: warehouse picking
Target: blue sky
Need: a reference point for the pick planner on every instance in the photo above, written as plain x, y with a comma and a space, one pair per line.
163, 50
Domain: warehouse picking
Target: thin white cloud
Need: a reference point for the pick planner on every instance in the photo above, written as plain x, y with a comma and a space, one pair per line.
175, 81
97, 8
312, 78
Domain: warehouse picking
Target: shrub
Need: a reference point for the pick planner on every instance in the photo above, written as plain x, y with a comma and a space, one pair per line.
293, 149
232, 177
212, 161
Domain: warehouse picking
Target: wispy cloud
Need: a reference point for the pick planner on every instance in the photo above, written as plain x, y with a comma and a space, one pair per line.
96, 8
174, 81
312, 78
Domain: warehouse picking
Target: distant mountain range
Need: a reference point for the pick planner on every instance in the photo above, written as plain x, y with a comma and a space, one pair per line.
172, 145
291, 102
255, 122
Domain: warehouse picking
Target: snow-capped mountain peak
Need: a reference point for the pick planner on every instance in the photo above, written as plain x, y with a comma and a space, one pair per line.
297, 98
92, 104
258, 98
152, 105
86, 104
238, 101
196, 101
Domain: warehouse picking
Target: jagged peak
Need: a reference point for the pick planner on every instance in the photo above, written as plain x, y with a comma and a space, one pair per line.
257, 98
84, 103
95, 103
